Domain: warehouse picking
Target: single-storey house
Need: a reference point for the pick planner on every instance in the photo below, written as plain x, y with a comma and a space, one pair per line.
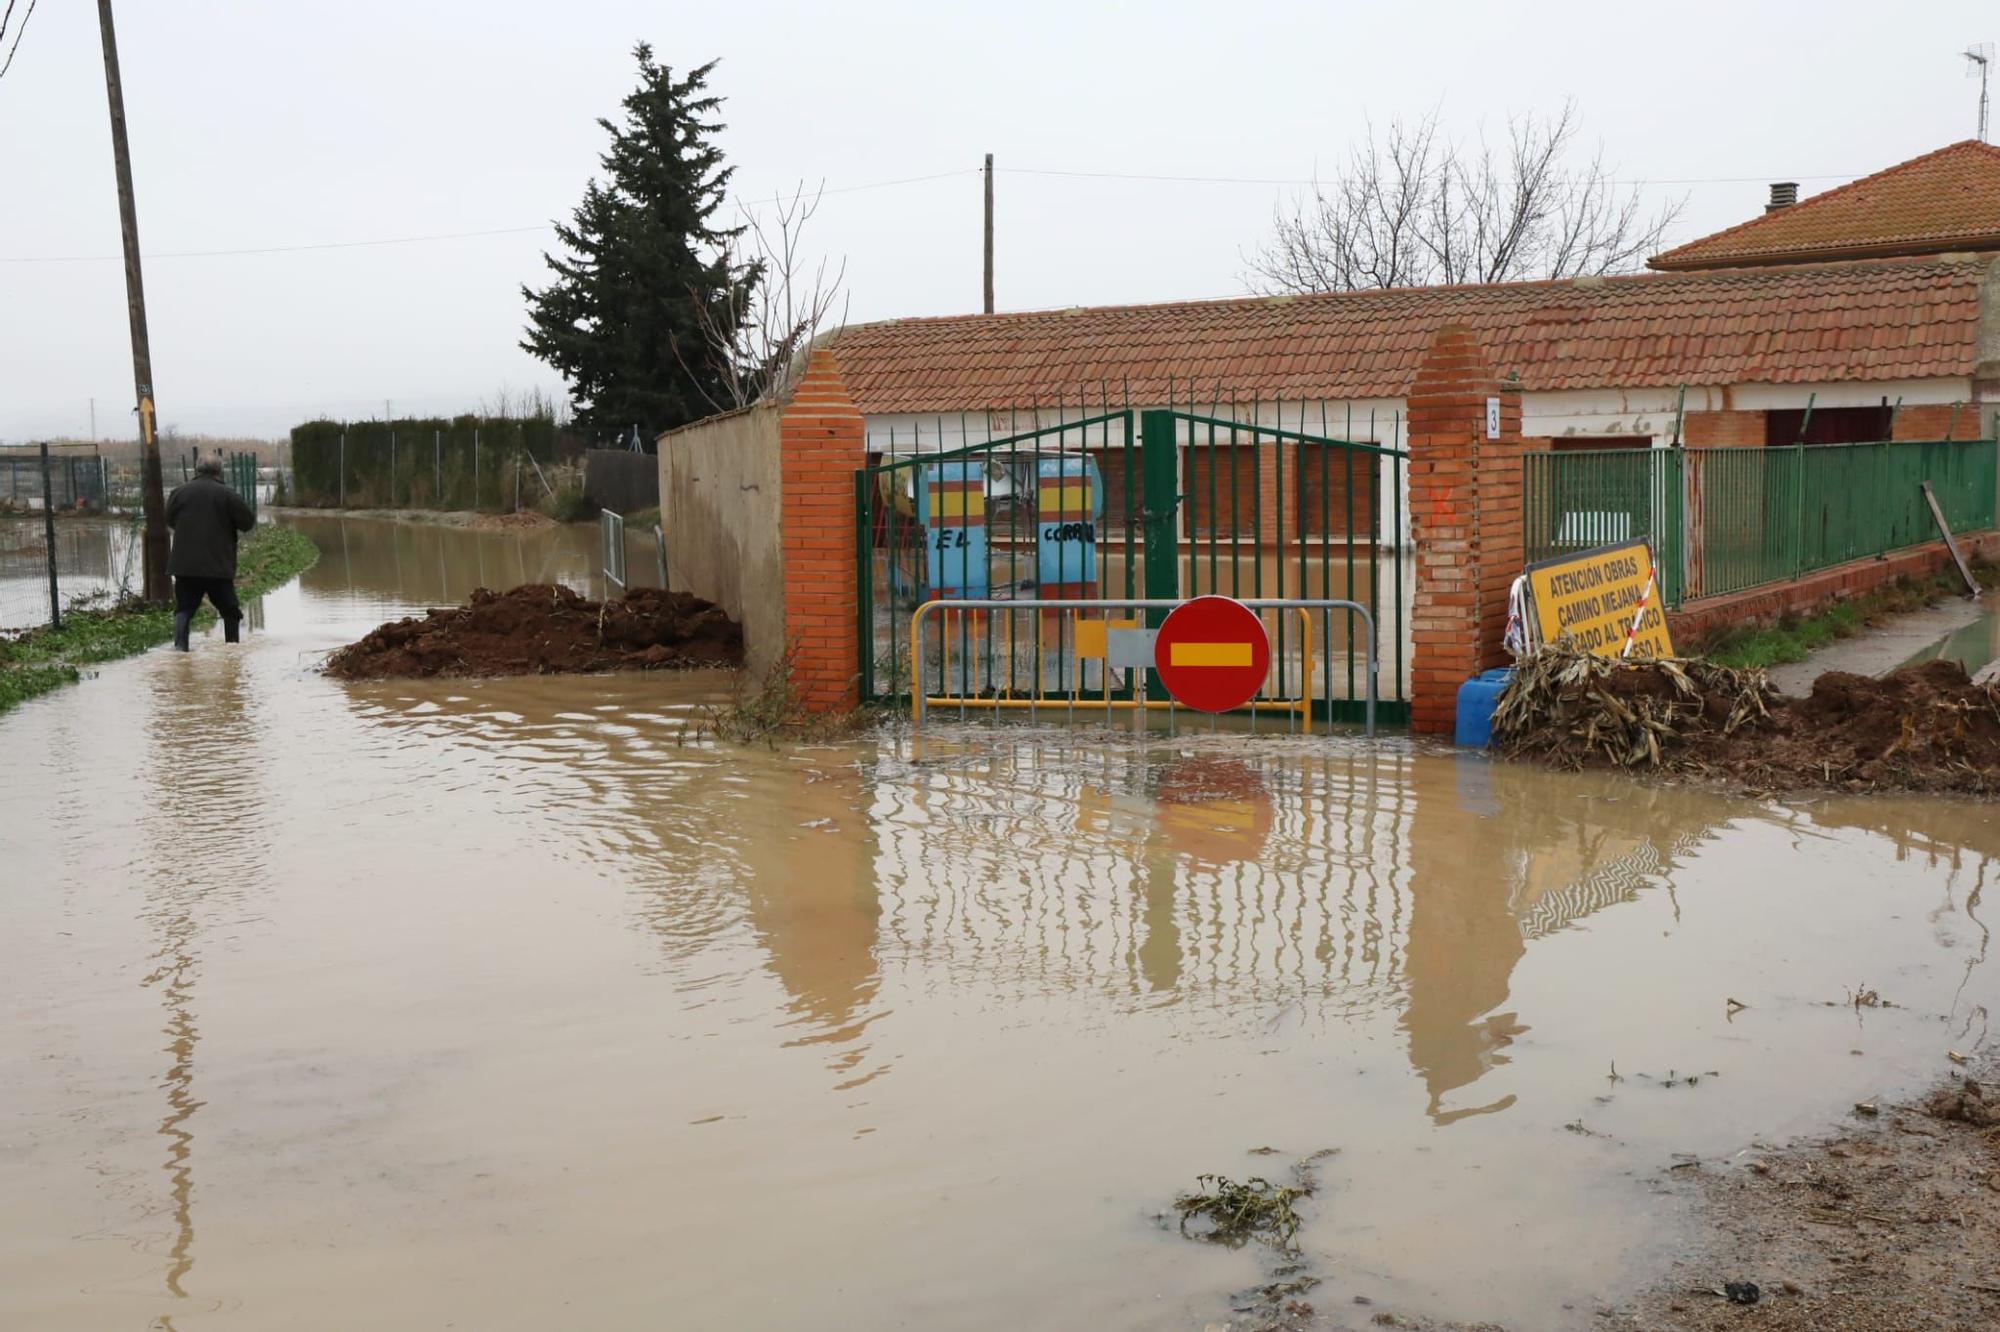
1870, 312
1880, 292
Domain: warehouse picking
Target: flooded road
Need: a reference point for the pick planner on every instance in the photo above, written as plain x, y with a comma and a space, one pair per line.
497, 1005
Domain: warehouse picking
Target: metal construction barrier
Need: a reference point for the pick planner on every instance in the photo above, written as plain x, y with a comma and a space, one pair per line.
977, 663
611, 527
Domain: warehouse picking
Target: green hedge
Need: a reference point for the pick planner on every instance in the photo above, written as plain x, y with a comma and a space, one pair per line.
468, 462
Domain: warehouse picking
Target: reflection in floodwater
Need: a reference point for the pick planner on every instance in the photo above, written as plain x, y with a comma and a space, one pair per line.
398, 563
1345, 880
1975, 647
95, 558
413, 993
1463, 939
205, 833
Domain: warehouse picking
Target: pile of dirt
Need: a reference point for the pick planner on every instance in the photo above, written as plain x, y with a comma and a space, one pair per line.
546, 630
1924, 728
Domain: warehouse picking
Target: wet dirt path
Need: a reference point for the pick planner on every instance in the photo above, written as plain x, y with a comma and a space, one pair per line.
494, 1004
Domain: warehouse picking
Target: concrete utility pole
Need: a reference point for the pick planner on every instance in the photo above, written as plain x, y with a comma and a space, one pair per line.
153, 498
989, 233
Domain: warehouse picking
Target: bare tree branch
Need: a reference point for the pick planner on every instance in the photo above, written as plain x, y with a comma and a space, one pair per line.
1414, 208
758, 340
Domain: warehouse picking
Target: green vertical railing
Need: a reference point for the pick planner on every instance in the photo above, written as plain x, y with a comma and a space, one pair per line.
1297, 514
241, 471
1578, 500
1725, 520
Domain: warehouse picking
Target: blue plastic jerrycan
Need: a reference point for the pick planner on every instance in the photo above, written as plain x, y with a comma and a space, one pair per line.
1477, 698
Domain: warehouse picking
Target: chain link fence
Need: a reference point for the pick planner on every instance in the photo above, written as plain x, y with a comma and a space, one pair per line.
70, 535
96, 562
77, 483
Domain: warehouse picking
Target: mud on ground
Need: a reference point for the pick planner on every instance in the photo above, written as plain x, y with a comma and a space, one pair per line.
542, 629
1892, 1226
1922, 728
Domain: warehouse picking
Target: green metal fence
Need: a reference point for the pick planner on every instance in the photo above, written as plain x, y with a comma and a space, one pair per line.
240, 469
1578, 500
1724, 520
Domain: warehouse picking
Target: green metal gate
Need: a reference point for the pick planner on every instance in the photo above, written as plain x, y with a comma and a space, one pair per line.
1242, 500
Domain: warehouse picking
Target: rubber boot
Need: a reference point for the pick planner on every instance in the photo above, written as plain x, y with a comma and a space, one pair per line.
232, 631
181, 622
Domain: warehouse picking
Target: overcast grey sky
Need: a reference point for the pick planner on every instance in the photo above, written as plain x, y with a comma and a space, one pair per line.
258, 125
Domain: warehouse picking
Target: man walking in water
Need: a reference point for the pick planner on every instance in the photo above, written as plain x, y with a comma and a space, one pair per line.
206, 517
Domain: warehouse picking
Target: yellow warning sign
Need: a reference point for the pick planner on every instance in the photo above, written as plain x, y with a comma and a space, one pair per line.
1597, 597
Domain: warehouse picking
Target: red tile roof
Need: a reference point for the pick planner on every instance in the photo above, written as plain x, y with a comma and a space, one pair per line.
1894, 319
1943, 201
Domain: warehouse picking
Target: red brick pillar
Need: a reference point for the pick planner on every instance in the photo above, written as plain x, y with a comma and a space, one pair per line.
822, 441
1465, 518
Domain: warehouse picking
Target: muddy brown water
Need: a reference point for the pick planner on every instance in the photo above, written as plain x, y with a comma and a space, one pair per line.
494, 1004
1976, 646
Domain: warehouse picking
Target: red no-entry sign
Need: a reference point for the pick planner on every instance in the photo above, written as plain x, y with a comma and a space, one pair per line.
1212, 654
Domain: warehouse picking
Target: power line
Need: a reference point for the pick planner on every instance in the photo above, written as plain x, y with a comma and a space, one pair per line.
1325, 180
782, 199
19, 33
276, 249
439, 236
877, 184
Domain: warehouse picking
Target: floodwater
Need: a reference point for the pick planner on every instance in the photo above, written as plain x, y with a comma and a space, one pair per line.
495, 1005
95, 557
1975, 646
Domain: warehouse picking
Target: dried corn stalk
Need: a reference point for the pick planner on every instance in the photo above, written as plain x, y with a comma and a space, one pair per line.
1567, 706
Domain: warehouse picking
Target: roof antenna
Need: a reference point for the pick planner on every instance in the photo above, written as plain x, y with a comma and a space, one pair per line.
1979, 64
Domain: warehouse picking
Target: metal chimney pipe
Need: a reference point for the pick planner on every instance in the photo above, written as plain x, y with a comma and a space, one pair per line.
1784, 193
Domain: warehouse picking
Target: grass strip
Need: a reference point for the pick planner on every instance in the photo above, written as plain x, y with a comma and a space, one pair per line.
36, 661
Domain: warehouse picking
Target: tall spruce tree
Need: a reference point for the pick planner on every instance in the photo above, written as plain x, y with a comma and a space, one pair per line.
624, 320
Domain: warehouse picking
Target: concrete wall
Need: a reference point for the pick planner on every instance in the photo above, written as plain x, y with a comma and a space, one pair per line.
720, 501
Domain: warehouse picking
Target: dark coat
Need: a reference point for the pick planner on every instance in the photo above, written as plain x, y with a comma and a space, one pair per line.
206, 517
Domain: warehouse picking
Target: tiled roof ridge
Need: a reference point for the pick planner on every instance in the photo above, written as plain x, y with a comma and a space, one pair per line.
1714, 239
1747, 272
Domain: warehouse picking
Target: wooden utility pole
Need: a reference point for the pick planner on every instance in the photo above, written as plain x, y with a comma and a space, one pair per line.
989, 233
49, 534
152, 492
